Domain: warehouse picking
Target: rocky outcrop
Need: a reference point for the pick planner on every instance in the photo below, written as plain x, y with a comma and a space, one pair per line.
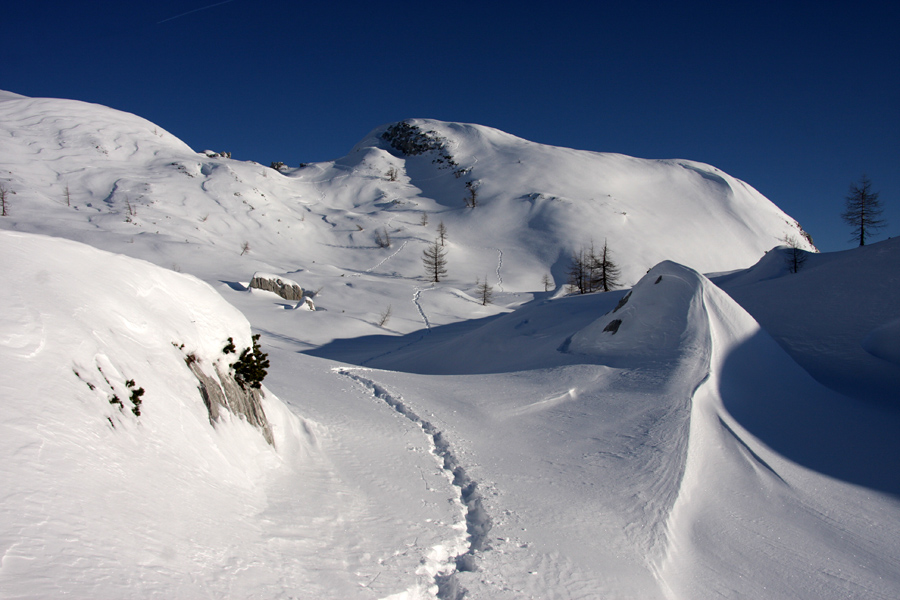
287, 289
223, 392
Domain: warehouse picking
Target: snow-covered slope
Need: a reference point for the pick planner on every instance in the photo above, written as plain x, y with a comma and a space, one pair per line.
106, 490
118, 182
652, 442
106, 498
836, 316
612, 471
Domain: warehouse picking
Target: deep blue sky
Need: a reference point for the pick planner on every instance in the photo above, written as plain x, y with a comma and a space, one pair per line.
798, 99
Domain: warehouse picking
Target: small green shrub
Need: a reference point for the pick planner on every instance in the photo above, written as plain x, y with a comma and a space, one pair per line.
251, 366
136, 400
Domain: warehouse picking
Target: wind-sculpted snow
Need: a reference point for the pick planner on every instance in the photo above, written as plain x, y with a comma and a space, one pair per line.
737, 488
839, 333
881, 342
654, 321
108, 492
661, 410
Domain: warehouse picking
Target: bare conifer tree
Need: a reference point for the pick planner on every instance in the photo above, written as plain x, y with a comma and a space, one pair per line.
796, 256
606, 272
863, 210
435, 261
382, 238
547, 282
442, 232
578, 281
485, 292
471, 198
590, 271
385, 316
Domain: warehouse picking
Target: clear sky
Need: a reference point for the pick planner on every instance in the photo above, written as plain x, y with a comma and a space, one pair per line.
798, 99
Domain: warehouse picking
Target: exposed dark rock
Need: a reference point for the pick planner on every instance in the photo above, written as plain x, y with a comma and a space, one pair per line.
287, 289
613, 326
622, 302
223, 392
411, 140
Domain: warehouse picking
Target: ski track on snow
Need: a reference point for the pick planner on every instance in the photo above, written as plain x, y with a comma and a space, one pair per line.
477, 522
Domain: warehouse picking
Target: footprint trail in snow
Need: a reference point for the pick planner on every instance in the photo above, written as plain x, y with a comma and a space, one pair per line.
456, 555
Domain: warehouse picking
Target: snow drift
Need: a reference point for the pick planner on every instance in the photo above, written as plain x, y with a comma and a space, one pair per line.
91, 461
693, 504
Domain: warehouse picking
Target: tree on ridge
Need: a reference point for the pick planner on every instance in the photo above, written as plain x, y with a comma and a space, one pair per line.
863, 210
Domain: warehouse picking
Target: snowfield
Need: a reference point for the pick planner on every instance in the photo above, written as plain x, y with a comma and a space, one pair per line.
686, 436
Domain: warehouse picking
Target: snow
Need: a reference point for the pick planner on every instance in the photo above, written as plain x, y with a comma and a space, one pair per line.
825, 312
686, 437
884, 342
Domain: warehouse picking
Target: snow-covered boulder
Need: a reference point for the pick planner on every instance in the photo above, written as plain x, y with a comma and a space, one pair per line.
286, 288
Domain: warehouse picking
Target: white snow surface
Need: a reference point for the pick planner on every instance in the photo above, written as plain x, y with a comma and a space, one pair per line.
669, 440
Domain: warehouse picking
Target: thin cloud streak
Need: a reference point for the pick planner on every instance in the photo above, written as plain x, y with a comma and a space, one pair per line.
193, 11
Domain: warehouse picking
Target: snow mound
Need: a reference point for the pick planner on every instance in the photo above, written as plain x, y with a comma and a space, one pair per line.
649, 323
105, 435
655, 322
733, 472
823, 314
769, 444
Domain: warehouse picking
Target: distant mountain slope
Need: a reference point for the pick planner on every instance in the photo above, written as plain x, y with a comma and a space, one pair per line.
119, 182
557, 199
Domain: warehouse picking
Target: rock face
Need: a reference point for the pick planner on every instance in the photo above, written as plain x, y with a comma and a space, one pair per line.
287, 289
224, 392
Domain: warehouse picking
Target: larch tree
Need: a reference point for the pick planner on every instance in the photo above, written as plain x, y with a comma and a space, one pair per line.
546, 281
4, 204
435, 260
577, 279
606, 272
863, 210
795, 256
485, 291
590, 271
